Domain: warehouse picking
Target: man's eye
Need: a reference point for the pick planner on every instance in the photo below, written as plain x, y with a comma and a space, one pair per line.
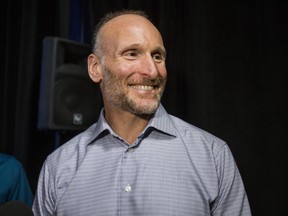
158, 58
131, 54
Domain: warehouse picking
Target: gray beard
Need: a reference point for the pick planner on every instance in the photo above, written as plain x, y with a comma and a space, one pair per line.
114, 94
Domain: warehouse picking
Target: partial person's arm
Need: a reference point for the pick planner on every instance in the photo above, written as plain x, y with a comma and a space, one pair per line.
21, 189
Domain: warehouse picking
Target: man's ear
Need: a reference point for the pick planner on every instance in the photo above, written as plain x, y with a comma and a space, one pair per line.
94, 68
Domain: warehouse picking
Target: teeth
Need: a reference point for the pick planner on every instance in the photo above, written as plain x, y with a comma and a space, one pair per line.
142, 87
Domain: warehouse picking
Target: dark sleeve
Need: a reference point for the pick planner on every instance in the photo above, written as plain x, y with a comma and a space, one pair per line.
20, 187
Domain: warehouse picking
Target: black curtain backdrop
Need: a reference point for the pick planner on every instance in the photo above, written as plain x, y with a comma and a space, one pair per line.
226, 74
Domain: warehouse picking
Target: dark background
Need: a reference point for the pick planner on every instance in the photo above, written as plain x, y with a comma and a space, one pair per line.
226, 64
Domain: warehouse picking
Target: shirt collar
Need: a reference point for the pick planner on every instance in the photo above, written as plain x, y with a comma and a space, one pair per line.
160, 121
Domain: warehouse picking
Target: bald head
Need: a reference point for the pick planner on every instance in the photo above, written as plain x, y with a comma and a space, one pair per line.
114, 23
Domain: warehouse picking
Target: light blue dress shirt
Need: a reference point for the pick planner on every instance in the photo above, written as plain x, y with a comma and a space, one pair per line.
173, 168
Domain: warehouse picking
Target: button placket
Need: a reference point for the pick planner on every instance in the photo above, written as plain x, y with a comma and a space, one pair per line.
126, 181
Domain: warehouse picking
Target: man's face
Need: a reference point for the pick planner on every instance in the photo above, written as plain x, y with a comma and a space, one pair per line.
134, 72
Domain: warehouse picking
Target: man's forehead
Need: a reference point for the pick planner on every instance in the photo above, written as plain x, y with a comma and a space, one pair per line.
124, 30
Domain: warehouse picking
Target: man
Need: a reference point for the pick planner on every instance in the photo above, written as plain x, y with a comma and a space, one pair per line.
137, 159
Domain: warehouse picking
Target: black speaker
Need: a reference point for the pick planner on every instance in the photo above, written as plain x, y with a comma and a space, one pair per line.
69, 100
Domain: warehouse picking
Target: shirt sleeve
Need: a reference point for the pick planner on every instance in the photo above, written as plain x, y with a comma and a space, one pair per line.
232, 198
20, 190
44, 202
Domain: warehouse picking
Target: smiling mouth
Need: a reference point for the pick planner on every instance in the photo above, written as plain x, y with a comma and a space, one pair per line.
143, 87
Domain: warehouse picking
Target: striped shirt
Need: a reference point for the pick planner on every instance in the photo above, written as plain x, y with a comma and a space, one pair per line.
173, 168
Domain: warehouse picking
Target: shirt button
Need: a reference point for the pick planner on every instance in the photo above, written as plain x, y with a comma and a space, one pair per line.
128, 188
130, 149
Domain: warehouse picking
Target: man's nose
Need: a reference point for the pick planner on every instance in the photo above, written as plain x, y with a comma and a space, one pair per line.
149, 67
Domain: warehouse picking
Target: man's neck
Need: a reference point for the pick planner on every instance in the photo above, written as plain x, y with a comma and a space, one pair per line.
126, 124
